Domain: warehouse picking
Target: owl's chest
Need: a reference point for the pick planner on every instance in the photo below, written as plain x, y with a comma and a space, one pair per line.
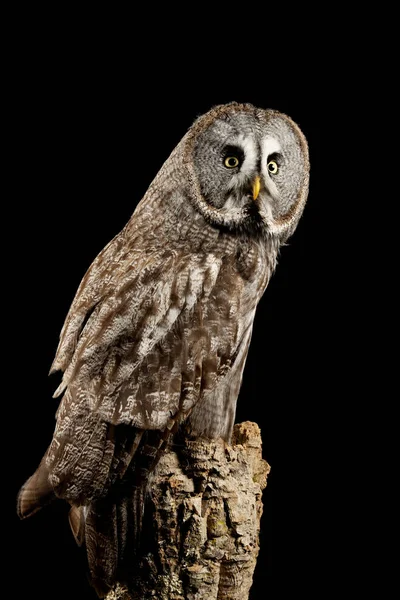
243, 273
252, 263
250, 266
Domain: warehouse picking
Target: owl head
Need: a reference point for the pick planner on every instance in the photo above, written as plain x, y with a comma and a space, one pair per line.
247, 169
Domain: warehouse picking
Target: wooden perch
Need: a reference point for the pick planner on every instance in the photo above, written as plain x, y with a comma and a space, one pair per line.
202, 525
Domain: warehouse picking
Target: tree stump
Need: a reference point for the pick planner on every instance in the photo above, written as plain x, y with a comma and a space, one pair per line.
202, 523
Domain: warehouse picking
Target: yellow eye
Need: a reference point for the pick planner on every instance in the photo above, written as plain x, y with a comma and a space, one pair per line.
273, 167
231, 162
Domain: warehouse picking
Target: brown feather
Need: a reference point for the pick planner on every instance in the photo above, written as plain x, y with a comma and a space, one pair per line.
157, 336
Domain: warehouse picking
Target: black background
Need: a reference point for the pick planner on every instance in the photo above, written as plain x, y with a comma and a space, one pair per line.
90, 126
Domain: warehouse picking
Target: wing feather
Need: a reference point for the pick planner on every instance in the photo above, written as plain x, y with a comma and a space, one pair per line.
163, 337
118, 259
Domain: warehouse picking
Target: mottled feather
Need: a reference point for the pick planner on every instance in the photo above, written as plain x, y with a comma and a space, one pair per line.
157, 335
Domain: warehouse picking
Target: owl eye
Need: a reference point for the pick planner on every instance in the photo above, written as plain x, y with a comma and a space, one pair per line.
231, 162
272, 167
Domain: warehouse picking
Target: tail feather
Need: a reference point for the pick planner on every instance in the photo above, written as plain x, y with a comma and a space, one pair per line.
35, 493
104, 477
112, 538
101, 538
77, 519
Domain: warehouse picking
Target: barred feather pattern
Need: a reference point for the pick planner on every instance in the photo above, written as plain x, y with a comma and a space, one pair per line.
157, 335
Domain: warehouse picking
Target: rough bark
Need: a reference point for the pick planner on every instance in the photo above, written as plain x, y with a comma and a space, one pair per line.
202, 531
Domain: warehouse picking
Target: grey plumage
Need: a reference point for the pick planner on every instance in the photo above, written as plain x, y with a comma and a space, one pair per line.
157, 336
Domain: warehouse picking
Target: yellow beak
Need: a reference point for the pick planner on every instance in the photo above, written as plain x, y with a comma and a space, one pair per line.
256, 187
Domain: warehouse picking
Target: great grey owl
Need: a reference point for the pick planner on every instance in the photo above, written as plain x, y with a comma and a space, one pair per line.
157, 335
